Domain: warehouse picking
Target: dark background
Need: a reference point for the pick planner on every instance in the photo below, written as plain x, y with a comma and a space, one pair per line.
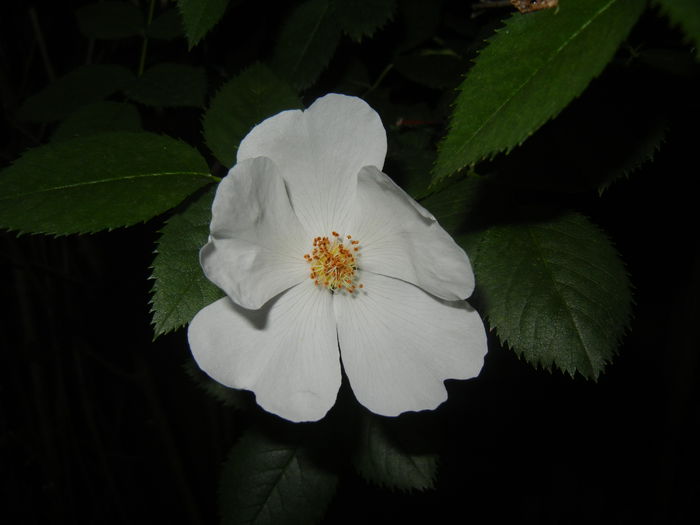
101, 424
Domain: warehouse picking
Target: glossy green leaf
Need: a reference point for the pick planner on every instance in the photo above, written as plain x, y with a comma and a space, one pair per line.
686, 15
100, 182
81, 86
529, 71
361, 18
243, 102
555, 291
170, 85
270, 481
166, 26
110, 20
98, 117
307, 42
382, 459
200, 16
180, 289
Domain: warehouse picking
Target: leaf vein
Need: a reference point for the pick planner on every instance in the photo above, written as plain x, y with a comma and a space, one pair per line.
105, 181
535, 72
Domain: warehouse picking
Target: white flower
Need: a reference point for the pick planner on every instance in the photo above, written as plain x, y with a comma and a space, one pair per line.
317, 249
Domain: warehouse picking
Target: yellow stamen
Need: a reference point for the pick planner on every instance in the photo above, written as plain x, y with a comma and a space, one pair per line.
333, 264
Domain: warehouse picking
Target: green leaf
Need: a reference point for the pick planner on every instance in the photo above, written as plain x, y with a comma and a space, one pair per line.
453, 204
354, 79
230, 397
419, 21
686, 15
81, 86
651, 137
180, 289
361, 18
166, 26
110, 20
199, 16
381, 459
170, 85
530, 70
99, 182
268, 481
307, 42
98, 117
243, 102
555, 291
411, 155
677, 62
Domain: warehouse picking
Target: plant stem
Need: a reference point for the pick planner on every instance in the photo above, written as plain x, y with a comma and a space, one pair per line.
379, 80
36, 28
144, 45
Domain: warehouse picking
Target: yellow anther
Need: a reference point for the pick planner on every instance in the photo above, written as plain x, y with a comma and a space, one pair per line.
333, 265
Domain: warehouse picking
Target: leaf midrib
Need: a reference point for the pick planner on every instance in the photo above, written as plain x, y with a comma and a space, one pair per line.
384, 458
293, 453
550, 273
160, 324
551, 57
198, 27
106, 181
312, 35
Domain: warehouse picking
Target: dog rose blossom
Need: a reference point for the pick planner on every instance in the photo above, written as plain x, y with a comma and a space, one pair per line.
323, 259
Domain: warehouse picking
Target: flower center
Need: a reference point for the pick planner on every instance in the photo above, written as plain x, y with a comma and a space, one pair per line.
333, 262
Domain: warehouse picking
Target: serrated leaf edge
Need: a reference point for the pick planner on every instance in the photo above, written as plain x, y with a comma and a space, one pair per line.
551, 57
430, 480
539, 364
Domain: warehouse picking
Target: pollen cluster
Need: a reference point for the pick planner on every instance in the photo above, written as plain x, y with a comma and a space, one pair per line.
333, 262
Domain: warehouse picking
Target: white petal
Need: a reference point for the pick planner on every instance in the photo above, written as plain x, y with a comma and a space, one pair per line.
257, 245
401, 239
398, 344
320, 151
286, 352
